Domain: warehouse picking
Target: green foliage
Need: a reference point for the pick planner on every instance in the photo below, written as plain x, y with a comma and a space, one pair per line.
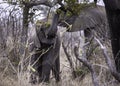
75, 7
59, 11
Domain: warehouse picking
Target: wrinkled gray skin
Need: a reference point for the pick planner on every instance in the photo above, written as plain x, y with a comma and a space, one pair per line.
46, 47
92, 18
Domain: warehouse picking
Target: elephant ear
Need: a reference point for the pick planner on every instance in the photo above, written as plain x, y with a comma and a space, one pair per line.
36, 37
41, 36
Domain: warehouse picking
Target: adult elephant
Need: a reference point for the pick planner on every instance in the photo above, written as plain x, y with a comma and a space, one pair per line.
91, 18
46, 46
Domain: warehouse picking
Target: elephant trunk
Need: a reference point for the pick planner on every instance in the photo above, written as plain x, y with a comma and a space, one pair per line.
53, 28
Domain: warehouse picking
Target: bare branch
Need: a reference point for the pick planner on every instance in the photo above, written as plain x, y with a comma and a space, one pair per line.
69, 59
109, 62
89, 65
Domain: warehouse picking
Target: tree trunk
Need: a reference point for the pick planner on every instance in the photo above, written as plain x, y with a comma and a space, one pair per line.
113, 15
25, 24
24, 33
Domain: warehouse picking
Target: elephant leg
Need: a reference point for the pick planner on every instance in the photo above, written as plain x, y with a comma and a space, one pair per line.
46, 68
36, 62
39, 69
88, 34
88, 40
56, 69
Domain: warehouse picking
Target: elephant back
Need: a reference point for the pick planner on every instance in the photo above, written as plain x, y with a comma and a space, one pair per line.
89, 18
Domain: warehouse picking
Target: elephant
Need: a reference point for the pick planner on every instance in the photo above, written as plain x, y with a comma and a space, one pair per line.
89, 19
92, 21
46, 46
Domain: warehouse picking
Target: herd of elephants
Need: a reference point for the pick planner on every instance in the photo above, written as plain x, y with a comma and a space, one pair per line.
46, 57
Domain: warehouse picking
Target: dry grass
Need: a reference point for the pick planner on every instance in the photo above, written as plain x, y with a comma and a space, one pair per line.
22, 78
9, 75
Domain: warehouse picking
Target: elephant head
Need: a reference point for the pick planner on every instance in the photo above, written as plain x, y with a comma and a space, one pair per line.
47, 33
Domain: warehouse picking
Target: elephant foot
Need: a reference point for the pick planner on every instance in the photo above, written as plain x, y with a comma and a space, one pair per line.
44, 79
57, 78
33, 79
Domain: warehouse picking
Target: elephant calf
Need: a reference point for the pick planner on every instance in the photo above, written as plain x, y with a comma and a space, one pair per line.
47, 48
46, 57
